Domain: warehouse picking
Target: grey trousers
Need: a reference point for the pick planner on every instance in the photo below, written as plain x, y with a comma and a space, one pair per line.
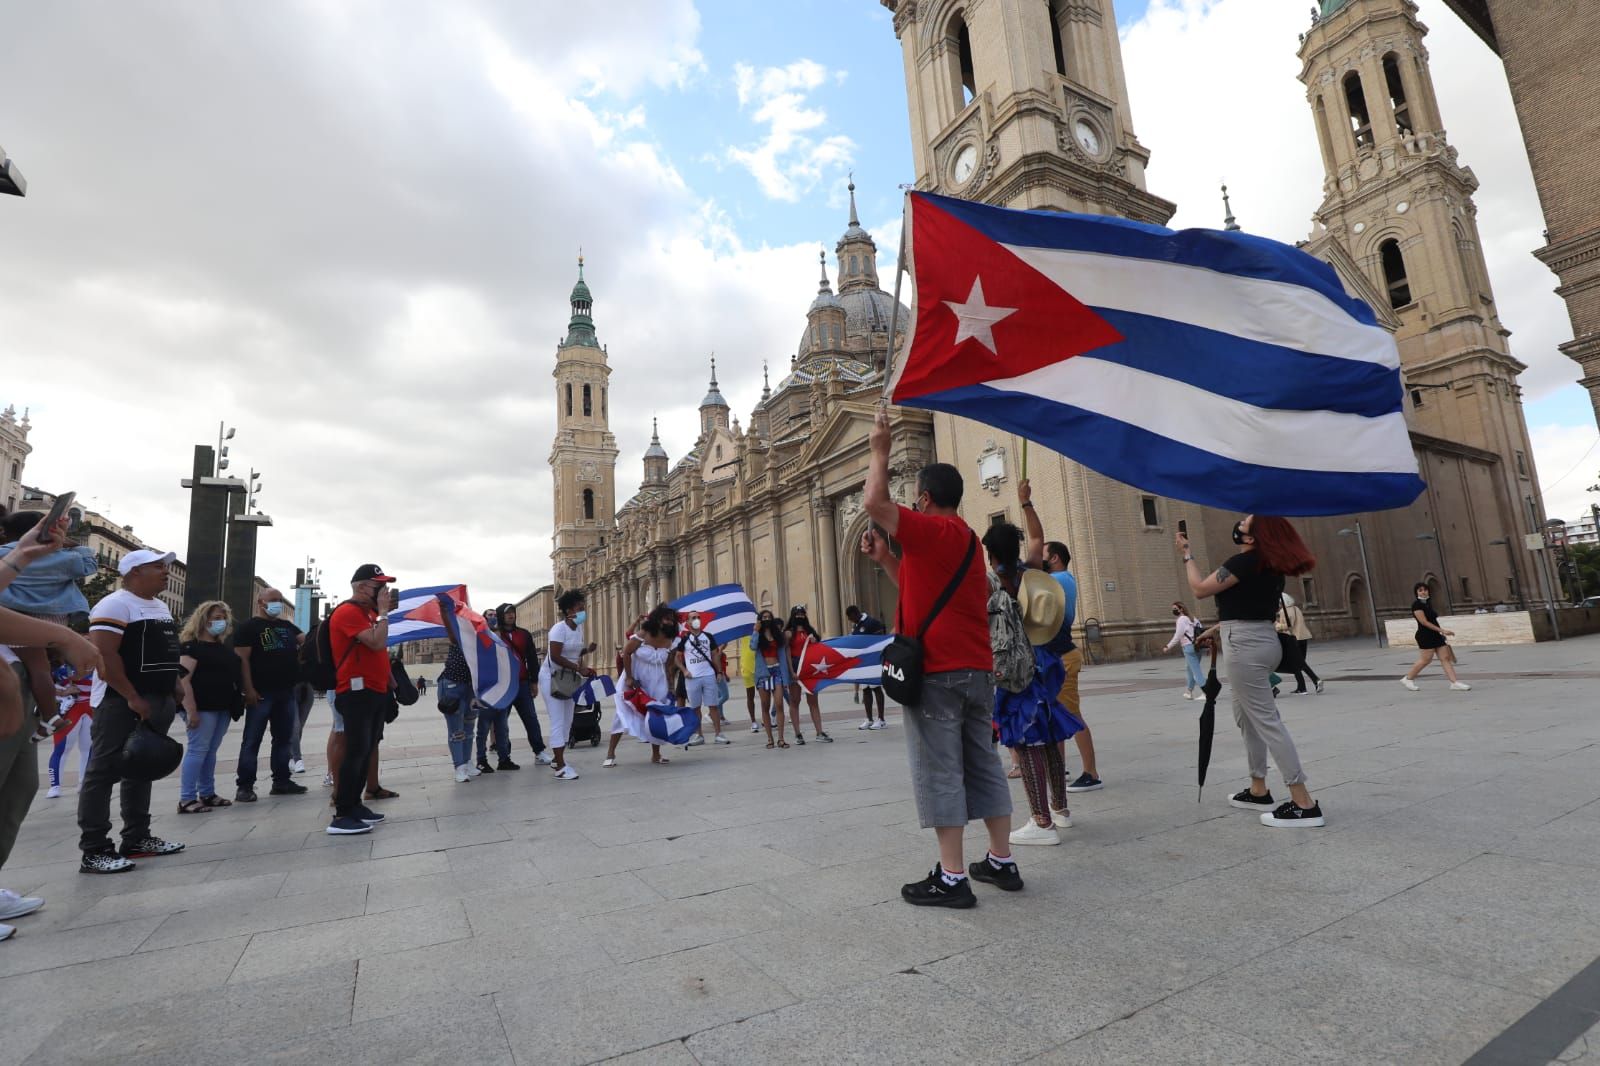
19, 772
114, 720
955, 766
1252, 652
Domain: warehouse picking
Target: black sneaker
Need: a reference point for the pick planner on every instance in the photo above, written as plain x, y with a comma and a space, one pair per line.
800, 740
104, 862
245, 795
288, 788
150, 848
484, 767
824, 738
347, 827
1086, 782
1007, 878
1291, 816
932, 891
368, 815
507, 764
1247, 801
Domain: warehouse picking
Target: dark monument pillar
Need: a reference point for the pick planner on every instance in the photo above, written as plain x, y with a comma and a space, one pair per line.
210, 501
239, 582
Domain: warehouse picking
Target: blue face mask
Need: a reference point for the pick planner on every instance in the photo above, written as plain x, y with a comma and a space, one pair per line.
581, 617
218, 626
275, 608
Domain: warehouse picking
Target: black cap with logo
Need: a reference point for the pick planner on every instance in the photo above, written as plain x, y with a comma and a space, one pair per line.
370, 572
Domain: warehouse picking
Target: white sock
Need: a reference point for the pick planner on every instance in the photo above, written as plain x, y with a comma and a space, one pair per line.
950, 878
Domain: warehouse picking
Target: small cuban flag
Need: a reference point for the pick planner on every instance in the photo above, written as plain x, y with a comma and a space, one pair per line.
725, 611
597, 686
1220, 368
846, 660
671, 724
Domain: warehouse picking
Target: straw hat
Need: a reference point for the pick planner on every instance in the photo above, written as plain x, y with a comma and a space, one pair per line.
1044, 606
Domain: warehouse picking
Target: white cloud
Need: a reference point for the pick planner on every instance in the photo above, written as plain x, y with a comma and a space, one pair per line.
1568, 459
794, 156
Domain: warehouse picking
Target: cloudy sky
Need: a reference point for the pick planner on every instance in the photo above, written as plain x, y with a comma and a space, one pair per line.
349, 228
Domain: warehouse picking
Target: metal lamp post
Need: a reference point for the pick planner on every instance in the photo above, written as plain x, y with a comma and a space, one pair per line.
1516, 577
1444, 569
1372, 592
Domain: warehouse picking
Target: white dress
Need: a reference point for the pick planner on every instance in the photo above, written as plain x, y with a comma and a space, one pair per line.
649, 668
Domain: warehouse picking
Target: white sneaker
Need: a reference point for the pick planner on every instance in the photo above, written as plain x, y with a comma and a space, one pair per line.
720, 739
297, 766
462, 777
755, 727
865, 725
878, 724
1408, 683
1062, 819
327, 780
543, 758
54, 793
1188, 694
567, 773
15, 906
1034, 833
6, 931
1460, 686
473, 771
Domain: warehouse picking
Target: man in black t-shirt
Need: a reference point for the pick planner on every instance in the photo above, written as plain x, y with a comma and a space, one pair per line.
863, 624
268, 646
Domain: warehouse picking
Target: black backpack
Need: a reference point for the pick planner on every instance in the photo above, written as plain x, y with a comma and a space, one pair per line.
320, 670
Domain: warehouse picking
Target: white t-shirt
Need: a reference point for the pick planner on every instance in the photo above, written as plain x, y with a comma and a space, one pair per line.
149, 648
698, 651
570, 637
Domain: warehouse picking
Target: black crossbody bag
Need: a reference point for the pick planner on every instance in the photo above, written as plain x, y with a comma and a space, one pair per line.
902, 659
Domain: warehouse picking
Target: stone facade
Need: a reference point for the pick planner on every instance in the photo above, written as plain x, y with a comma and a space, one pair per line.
14, 451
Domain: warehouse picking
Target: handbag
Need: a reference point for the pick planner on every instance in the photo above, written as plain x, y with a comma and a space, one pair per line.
564, 683
902, 659
1289, 660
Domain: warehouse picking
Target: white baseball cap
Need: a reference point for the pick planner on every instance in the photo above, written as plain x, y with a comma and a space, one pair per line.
143, 557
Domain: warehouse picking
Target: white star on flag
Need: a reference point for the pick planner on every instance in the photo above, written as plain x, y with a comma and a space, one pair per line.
821, 669
977, 319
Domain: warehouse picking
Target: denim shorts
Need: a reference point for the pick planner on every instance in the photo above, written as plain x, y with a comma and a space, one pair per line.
955, 766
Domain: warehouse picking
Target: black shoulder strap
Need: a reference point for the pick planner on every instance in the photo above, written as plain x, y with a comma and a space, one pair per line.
955, 583
352, 646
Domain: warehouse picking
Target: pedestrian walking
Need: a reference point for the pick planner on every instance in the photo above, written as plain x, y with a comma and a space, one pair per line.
863, 624
358, 637
1292, 621
1184, 632
211, 695
1432, 642
268, 647
135, 688
1248, 588
943, 605
798, 632
564, 661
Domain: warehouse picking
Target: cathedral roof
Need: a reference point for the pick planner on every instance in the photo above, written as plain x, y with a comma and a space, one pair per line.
714, 396
1330, 6
580, 328
865, 311
847, 370
655, 451
825, 297
854, 232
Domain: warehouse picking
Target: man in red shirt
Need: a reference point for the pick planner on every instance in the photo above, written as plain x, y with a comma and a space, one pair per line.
358, 637
955, 770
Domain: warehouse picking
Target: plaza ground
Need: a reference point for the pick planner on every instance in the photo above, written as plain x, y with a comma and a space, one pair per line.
741, 906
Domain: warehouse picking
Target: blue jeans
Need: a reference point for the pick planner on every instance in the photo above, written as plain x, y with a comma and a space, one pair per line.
459, 724
281, 711
530, 718
500, 722
1195, 677
198, 774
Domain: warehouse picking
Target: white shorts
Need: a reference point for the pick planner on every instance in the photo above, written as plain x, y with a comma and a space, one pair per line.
703, 691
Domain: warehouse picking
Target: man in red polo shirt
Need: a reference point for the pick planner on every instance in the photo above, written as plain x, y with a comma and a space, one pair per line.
358, 637
955, 771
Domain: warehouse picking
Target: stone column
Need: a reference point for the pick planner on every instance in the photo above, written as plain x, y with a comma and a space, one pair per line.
828, 577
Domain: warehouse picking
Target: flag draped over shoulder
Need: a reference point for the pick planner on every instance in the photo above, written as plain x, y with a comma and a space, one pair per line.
850, 660
442, 612
725, 611
1220, 368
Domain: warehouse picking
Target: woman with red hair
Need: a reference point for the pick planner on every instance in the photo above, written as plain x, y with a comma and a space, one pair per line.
1247, 588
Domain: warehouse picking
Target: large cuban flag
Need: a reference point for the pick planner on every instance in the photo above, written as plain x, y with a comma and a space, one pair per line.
847, 660
671, 724
1219, 368
442, 612
725, 611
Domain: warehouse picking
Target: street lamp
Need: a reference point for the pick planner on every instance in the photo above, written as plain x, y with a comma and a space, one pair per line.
1444, 570
224, 432
255, 487
1366, 571
12, 183
1516, 578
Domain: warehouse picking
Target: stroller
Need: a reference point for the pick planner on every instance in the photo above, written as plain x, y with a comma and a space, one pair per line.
585, 725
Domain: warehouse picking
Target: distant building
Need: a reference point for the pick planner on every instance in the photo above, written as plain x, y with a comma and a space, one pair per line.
110, 541
14, 450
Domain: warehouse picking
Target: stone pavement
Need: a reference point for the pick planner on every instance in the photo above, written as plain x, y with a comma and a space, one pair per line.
741, 906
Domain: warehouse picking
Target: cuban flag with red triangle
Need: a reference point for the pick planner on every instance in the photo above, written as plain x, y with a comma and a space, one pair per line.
1215, 367
842, 660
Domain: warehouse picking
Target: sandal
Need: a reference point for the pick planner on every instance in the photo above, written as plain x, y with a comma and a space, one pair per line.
783, 743
382, 794
215, 800
194, 807
1014, 773
770, 745
662, 761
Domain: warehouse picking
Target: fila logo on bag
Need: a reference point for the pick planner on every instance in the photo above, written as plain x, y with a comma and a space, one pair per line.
891, 670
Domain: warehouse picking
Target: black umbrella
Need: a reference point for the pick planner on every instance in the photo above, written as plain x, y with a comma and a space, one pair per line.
1208, 719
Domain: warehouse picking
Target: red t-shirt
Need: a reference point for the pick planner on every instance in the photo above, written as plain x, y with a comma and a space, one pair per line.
348, 619
522, 644
958, 638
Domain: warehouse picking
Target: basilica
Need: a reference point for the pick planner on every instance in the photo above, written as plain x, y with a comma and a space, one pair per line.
1023, 103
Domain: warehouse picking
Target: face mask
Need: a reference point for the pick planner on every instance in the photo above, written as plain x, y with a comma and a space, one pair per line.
581, 617
1175, 611
274, 609
694, 624
1238, 533
218, 627
1423, 596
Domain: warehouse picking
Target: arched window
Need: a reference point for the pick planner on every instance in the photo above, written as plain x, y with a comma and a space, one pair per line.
1397, 94
588, 504
1058, 29
964, 80
1360, 120
1323, 134
569, 399
1394, 274
588, 406
852, 264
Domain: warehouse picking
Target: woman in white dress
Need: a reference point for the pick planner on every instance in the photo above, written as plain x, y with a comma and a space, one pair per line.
644, 666
566, 650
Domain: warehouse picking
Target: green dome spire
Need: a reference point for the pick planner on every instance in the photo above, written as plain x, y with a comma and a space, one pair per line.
580, 329
1330, 6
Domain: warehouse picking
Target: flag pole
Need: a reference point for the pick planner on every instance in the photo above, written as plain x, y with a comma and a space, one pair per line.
894, 308
1024, 458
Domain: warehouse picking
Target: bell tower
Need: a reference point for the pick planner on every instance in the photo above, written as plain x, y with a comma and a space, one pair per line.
1397, 210
583, 457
